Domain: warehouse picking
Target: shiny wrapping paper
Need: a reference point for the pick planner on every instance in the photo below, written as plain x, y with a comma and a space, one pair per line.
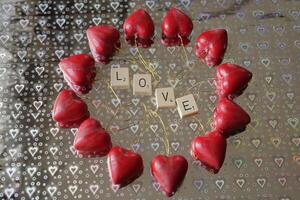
37, 161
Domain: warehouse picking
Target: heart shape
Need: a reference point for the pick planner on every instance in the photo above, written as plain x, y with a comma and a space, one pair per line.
79, 71
91, 139
124, 166
230, 118
169, 172
104, 41
210, 150
176, 28
211, 46
139, 29
69, 110
231, 80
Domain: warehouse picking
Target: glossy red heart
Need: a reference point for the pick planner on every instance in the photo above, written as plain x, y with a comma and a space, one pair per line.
69, 110
139, 28
210, 150
124, 166
104, 41
211, 46
79, 71
91, 139
231, 80
169, 172
230, 118
176, 28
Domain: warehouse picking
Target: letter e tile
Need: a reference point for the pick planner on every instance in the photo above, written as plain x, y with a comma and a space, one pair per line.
186, 106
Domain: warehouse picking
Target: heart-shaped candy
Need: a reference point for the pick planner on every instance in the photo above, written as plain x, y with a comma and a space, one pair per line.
176, 28
124, 166
169, 172
231, 80
139, 29
230, 118
91, 139
79, 71
211, 46
210, 150
104, 41
69, 111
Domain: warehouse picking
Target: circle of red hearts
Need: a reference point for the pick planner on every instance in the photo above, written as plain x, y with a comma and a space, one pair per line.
124, 165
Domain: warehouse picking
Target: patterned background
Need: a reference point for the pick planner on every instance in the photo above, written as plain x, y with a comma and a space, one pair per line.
37, 161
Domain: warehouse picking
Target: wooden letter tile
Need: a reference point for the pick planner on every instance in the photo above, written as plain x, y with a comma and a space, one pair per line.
186, 105
142, 84
119, 78
165, 97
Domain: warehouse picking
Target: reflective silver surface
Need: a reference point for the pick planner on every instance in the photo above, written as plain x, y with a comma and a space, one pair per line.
37, 161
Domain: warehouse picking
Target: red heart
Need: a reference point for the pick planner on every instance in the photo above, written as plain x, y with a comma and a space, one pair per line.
211, 46
230, 118
139, 28
104, 41
91, 139
124, 166
210, 150
169, 172
79, 72
176, 28
231, 80
69, 110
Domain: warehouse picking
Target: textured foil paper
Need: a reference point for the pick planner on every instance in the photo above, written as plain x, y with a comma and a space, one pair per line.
37, 159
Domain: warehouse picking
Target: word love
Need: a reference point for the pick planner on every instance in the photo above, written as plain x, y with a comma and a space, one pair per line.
165, 97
